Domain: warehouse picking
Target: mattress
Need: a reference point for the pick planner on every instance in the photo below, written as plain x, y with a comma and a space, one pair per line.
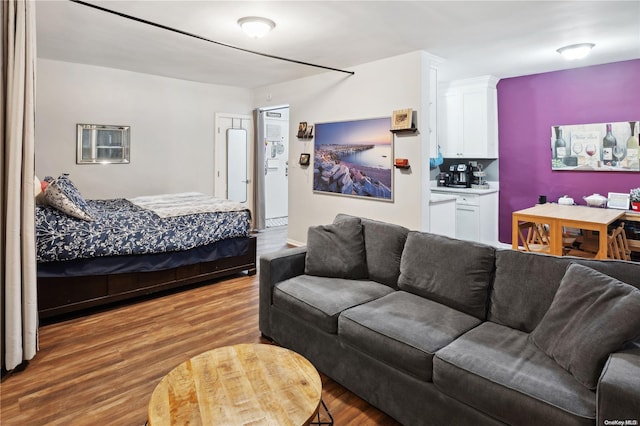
107, 265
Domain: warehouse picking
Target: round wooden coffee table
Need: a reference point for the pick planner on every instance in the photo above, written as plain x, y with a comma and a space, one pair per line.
253, 384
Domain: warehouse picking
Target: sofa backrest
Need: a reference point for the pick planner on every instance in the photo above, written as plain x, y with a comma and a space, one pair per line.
383, 243
525, 284
453, 272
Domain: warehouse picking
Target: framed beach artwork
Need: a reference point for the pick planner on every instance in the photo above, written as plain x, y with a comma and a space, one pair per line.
603, 147
354, 158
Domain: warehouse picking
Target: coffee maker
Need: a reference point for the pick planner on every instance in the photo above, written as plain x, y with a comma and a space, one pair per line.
461, 175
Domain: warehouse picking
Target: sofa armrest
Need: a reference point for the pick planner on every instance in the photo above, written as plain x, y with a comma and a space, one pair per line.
618, 394
274, 268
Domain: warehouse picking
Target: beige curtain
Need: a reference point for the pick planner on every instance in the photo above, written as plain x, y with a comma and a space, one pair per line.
18, 301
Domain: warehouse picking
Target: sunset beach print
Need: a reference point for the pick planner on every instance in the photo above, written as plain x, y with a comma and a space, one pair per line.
354, 158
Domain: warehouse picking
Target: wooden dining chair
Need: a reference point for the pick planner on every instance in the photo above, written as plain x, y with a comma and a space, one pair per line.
589, 241
618, 245
534, 237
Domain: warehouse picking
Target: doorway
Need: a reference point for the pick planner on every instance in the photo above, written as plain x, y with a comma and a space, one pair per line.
273, 137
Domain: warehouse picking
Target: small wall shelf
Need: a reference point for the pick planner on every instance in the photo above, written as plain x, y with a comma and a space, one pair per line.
401, 163
410, 131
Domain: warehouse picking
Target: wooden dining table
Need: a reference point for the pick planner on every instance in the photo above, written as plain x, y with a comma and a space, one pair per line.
558, 217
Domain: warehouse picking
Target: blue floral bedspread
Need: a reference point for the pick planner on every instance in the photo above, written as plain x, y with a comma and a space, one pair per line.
121, 228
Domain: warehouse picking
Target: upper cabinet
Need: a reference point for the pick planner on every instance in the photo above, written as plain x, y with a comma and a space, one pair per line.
468, 118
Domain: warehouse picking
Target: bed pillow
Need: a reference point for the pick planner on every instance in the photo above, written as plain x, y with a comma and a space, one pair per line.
591, 316
38, 191
39, 186
62, 194
337, 250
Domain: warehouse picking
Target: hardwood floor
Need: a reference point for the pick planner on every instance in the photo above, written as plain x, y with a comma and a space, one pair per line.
101, 369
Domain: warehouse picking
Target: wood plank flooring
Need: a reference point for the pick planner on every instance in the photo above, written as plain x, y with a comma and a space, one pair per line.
100, 369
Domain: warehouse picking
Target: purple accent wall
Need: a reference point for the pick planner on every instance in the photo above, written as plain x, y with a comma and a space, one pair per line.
527, 108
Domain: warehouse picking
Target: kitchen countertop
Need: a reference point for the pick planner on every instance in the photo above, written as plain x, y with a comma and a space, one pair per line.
463, 190
441, 198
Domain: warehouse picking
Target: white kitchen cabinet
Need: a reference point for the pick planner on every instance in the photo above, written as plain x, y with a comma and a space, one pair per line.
468, 222
476, 213
468, 118
442, 214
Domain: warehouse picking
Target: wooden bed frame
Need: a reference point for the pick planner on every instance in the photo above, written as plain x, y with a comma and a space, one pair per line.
64, 295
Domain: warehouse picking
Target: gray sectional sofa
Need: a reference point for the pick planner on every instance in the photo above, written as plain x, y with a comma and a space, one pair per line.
434, 330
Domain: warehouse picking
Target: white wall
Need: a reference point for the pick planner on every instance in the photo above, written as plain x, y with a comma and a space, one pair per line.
172, 127
376, 89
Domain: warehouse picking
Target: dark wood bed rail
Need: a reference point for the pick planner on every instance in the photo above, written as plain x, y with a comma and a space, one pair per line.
65, 295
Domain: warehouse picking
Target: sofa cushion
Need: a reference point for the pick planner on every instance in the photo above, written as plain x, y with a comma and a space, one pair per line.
525, 284
383, 244
453, 272
497, 370
403, 330
591, 316
320, 300
336, 250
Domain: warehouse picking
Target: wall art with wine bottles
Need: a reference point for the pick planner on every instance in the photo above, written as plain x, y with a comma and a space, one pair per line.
606, 147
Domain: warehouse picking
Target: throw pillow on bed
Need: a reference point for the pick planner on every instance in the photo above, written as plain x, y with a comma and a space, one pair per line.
38, 191
591, 316
336, 251
62, 194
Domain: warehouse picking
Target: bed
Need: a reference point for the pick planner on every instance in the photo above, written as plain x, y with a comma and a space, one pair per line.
95, 252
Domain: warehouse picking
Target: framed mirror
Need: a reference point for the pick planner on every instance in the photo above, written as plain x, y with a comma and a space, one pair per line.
102, 144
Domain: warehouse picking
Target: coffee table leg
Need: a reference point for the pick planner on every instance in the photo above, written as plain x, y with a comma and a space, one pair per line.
327, 412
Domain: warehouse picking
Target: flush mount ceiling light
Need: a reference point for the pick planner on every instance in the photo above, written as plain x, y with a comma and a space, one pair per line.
255, 26
576, 51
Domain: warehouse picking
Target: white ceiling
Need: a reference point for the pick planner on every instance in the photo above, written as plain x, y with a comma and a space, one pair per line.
502, 38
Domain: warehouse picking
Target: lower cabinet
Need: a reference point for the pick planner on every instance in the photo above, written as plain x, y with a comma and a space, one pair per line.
476, 214
468, 222
442, 215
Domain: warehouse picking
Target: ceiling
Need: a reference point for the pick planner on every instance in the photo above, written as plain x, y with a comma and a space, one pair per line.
502, 38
